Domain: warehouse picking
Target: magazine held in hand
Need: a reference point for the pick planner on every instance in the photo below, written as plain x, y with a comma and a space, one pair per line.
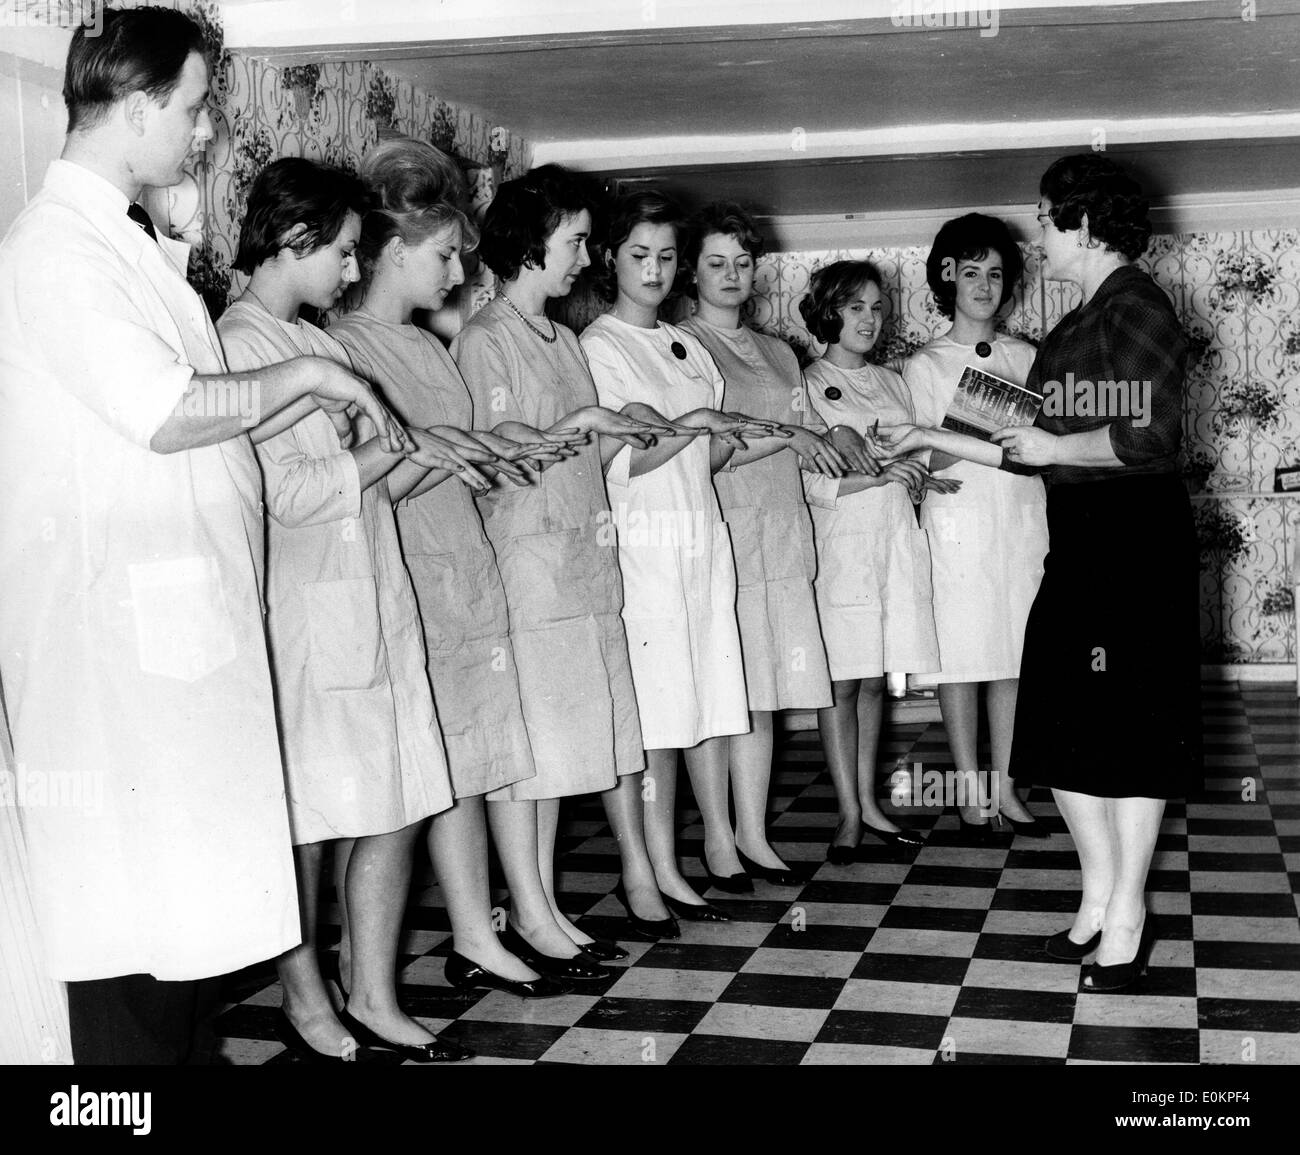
984, 404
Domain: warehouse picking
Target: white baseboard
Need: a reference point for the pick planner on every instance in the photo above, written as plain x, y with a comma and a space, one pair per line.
1250, 672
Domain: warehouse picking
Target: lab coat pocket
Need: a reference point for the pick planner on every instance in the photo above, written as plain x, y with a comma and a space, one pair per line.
343, 643
182, 623
847, 575
549, 576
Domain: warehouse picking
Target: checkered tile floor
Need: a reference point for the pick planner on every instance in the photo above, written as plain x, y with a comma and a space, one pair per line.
924, 956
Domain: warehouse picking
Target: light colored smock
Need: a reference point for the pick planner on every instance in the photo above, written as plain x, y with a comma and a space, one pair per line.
362, 749
988, 540
873, 561
453, 569
679, 579
765, 510
131, 637
557, 562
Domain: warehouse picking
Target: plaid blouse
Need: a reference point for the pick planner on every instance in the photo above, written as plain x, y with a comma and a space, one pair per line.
1117, 361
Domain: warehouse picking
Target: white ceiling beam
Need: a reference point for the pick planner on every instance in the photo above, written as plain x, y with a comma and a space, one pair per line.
668, 152
270, 25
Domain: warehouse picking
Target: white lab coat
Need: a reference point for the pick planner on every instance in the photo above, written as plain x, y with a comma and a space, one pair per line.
873, 562
363, 752
131, 636
673, 546
988, 540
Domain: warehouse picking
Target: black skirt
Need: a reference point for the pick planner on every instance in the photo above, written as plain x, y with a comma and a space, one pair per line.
1109, 699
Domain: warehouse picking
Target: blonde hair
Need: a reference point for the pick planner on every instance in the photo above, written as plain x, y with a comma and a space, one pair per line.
418, 191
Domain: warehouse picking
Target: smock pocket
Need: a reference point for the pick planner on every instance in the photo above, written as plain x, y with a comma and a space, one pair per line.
459, 596
848, 575
549, 577
343, 643
183, 626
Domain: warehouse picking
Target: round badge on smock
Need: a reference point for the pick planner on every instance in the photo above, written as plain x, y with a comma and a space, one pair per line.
679, 350
833, 394
984, 349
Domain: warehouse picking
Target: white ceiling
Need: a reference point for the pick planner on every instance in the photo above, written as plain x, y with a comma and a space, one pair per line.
834, 107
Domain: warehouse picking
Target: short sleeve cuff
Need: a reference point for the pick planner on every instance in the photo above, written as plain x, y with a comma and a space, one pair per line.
152, 410
620, 469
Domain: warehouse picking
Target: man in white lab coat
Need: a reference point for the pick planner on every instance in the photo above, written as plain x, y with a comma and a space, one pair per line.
132, 649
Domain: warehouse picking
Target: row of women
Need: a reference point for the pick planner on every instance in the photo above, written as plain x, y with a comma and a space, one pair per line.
598, 552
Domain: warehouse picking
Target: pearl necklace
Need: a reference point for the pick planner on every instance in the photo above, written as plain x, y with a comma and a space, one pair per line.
515, 309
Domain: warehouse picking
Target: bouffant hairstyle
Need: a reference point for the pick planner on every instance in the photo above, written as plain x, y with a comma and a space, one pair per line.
721, 219
135, 50
971, 238
832, 287
628, 211
293, 191
1116, 207
416, 192
525, 212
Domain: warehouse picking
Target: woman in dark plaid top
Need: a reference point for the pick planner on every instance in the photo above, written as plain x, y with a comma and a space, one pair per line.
1108, 710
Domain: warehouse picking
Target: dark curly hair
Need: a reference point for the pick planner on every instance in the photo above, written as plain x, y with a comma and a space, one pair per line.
970, 238
1116, 207
625, 214
525, 212
832, 287
294, 191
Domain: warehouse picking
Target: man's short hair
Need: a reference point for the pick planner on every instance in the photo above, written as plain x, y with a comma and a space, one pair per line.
137, 49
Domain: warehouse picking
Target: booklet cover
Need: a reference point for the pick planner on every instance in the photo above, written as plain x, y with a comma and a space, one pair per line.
984, 403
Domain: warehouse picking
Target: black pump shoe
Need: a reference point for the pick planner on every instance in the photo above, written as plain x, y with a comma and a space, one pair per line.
1062, 946
776, 875
437, 1051
976, 833
896, 837
1026, 829
692, 912
645, 929
293, 1041
1122, 975
843, 855
580, 968
601, 950
465, 974
732, 883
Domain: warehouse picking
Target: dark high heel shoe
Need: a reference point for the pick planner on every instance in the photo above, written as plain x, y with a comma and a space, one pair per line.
843, 855
580, 968
437, 1051
1031, 828
732, 883
293, 1041
1116, 978
776, 875
1062, 946
705, 912
975, 833
465, 974
896, 837
645, 929
601, 950
331, 973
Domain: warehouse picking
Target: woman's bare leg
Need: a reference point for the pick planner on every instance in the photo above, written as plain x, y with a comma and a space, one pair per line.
305, 1000
626, 814
1002, 724
751, 778
1087, 819
871, 712
706, 763
659, 792
959, 706
515, 831
378, 883
838, 726
1136, 825
458, 847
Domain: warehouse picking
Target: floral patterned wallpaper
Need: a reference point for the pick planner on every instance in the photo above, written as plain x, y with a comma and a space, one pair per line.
1238, 295
328, 112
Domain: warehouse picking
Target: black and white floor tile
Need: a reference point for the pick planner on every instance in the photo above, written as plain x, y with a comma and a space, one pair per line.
926, 956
